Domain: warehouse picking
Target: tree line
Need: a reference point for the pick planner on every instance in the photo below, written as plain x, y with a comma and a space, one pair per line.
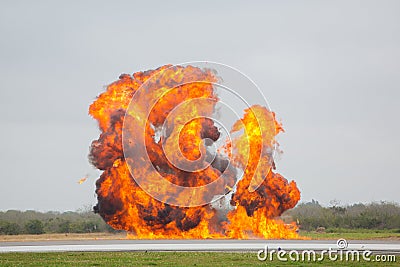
379, 216
310, 216
14, 222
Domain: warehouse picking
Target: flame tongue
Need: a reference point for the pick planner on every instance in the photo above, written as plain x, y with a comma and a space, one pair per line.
176, 113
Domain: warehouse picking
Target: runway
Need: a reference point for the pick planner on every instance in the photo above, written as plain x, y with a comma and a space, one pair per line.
392, 247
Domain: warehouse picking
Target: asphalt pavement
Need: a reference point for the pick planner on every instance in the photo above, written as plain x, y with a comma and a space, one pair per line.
195, 245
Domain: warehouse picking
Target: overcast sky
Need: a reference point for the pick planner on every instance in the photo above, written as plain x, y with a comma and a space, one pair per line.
330, 70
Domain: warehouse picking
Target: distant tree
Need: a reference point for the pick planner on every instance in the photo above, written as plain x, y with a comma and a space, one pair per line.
89, 227
64, 227
86, 226
34, 227
7, 228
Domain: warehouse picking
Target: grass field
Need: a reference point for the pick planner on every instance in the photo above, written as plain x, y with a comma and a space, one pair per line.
159, 259
175, 258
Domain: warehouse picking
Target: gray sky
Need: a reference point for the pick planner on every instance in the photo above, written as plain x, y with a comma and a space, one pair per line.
330, 70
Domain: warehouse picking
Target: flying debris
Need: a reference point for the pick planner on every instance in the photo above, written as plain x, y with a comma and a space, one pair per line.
83, 179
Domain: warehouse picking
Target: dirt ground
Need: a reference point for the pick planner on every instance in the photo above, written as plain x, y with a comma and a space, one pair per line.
43, 237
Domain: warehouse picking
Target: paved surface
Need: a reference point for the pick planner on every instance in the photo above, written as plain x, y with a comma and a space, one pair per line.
194, 245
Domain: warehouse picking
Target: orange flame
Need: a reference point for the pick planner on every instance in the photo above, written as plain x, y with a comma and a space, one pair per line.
256, 200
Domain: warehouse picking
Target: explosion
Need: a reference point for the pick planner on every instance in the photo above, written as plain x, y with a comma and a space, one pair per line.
169, 171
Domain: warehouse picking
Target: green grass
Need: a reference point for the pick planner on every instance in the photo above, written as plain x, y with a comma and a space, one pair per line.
158, 259
362, 234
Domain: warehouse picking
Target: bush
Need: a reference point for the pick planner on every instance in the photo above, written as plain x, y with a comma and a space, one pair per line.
84, 227
34, 227
64, 227
7, 228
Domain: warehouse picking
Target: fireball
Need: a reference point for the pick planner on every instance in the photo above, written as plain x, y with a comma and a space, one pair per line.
172, 170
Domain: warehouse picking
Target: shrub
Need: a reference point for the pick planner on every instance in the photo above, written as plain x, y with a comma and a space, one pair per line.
7, 228
34, 227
